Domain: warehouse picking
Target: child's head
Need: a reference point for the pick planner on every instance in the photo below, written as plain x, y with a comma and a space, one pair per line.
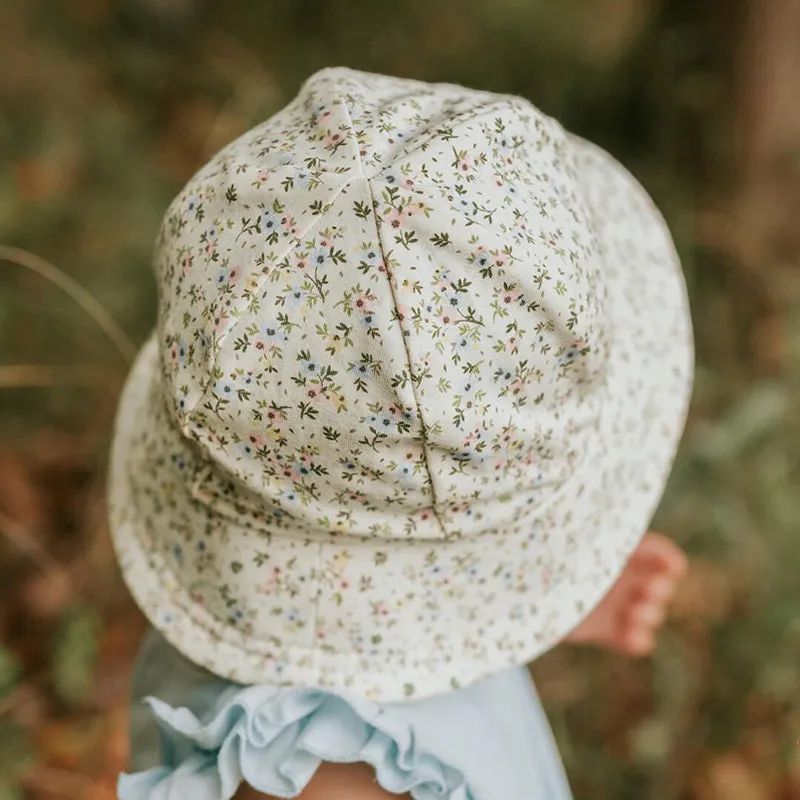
421, 367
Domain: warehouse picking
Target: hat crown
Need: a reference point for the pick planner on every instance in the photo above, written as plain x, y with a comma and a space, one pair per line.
387, 296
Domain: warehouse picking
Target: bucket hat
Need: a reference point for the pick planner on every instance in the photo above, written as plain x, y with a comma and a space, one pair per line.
421, 366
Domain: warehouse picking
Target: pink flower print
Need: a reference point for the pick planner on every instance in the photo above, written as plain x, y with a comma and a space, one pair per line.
211, 240
472, 438
289, 225
380, 609
499, 463
425, 513
363, 302
178, 352
275, 418
402, 311
412, 209
315, 394
510, 295
186, 265
512, 344
273, 582
221, 322
501, 259
262, 176
396, 217
516, 386
326, 242
333, 140
321, 113
464, 163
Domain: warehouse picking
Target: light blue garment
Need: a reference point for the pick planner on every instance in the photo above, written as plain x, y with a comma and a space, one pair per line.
199, 736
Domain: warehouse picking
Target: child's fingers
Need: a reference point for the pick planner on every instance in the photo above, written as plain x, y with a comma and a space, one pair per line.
639, 641
647, 615
655, 589
661, 554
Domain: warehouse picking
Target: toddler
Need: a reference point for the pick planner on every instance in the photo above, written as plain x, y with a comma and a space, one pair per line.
421, 366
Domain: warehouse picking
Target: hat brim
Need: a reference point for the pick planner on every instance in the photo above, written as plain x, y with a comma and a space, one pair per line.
596, 533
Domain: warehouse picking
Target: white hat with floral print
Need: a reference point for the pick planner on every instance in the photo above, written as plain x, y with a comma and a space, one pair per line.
422, 364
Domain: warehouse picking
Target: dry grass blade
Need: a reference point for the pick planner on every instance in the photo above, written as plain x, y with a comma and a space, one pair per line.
24, 376
74, 290
24, 541
62, 783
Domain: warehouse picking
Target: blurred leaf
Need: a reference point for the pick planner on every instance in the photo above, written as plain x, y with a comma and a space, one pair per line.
17, 755
758, 412
75, 653
8, 792
10, 670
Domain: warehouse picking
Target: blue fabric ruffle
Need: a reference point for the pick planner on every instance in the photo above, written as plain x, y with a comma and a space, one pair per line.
275, 739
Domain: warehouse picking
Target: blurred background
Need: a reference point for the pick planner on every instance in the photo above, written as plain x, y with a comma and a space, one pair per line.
108, 106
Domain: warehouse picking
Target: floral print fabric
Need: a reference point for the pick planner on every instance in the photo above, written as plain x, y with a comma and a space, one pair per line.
421, 366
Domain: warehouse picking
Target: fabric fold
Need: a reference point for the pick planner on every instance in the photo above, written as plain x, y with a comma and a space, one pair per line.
275, 739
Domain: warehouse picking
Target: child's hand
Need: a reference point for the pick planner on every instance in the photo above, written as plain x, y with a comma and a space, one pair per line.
628, 617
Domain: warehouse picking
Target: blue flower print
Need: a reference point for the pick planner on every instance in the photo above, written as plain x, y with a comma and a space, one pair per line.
461, 345
301, 467
271, 332
573, 351
294, 616
270, 224
369, 255
319, 258
181, 351
246, 449
361, 370
235, 615
384, 422
225, 389
289, 495
311, 367
405, 473
349, 467
296, 295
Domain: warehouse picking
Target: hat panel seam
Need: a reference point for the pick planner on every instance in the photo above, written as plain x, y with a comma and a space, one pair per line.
379, 239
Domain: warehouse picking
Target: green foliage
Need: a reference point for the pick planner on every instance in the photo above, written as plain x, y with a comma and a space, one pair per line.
75, 653
108, 108
17, 756
9, 670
